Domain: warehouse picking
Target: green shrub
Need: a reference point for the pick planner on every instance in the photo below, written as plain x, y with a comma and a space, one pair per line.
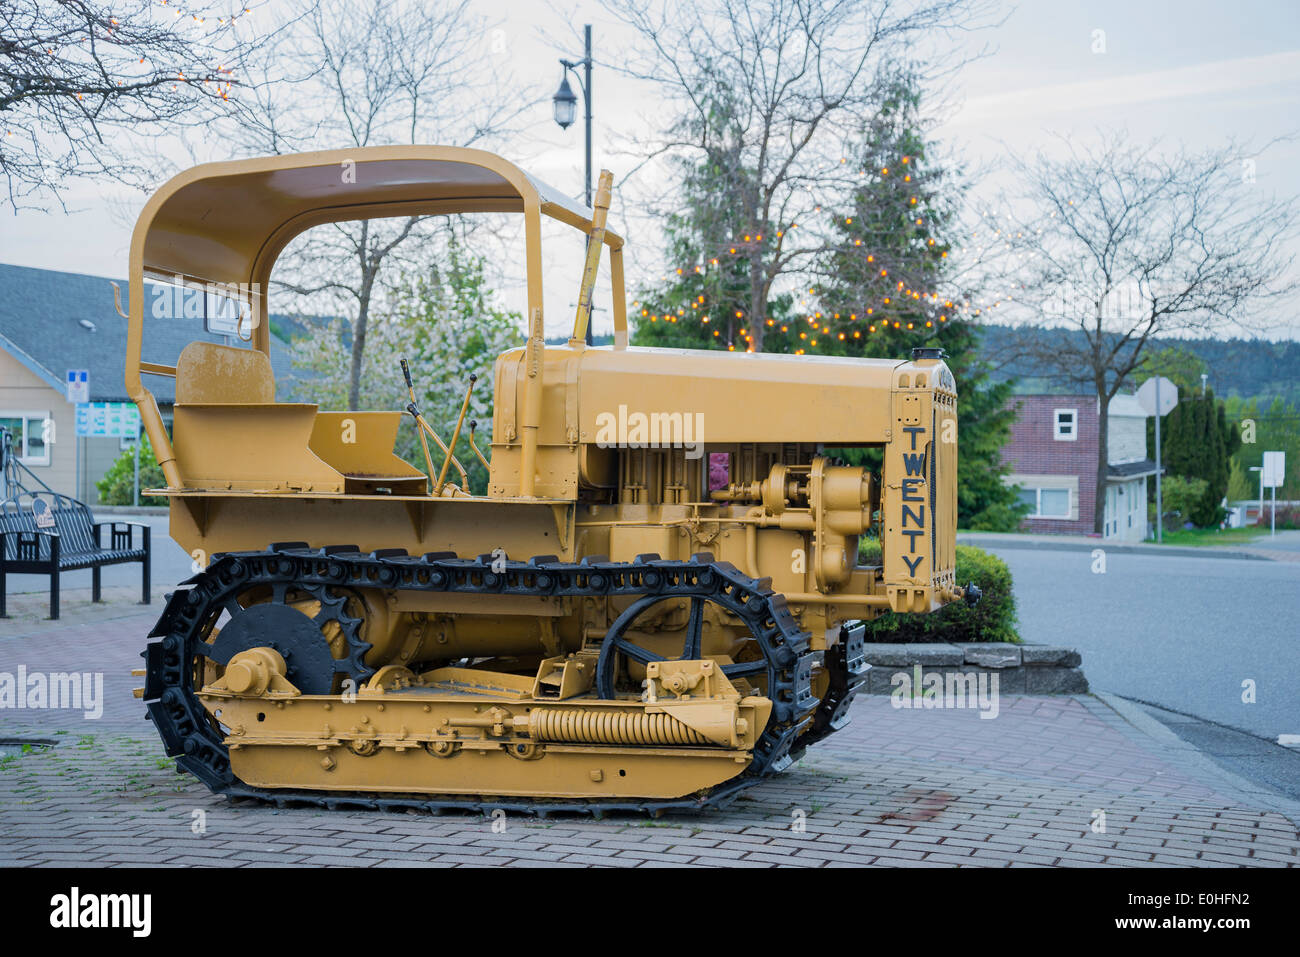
1181, 498
993, 618
115, 488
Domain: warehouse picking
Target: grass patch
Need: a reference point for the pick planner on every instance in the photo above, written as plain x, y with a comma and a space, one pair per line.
1208, 537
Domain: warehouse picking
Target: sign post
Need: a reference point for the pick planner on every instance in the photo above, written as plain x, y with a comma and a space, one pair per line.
1271, 476
135, 491
1158, 396
78, 381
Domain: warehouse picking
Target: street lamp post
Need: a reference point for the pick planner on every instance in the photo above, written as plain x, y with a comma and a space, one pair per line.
565, 103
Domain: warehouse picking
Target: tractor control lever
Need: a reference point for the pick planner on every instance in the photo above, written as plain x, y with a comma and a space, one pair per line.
424, 427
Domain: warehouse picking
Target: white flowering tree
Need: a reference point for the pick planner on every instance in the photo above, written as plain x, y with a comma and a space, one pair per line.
442, 319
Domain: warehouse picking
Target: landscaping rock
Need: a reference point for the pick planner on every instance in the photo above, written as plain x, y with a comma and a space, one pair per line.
1055, 681
1020, 669
897, 655
1050, 655
1009, 681
990, 654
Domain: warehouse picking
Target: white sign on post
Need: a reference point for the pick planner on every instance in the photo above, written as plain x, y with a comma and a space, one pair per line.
1274, 469
1271, 476
1158, 396
78, 385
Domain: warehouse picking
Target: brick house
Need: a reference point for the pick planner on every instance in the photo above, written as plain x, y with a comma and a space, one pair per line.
1053, 458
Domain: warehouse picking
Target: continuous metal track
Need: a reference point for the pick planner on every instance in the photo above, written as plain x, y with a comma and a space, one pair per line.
181, 635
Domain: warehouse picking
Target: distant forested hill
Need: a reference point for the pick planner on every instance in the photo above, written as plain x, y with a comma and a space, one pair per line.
1236, 367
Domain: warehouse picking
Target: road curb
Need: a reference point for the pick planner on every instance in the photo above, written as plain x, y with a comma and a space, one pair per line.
1173, 550
1188, 754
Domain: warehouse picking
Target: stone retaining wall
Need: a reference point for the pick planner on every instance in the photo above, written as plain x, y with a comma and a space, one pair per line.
1021, 669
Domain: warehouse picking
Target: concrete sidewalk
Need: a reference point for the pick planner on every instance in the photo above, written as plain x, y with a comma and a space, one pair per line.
1084, 780
1283, 547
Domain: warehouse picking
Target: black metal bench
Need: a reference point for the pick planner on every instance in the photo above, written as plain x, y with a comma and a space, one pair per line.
76, 541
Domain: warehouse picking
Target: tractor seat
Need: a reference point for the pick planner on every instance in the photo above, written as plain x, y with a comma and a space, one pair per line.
229, 432
212, 374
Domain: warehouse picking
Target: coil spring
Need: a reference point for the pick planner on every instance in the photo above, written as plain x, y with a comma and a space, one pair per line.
610, 727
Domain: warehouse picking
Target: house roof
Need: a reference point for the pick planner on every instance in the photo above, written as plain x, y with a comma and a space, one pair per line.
1122, 404
42, 316
1130, 470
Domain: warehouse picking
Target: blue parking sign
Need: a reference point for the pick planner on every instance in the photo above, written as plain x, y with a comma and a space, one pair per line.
78, 385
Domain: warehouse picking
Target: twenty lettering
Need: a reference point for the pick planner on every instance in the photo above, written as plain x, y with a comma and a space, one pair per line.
913, 491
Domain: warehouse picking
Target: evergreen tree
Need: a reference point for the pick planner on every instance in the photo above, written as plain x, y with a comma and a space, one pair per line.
1198, 442
887, 254
880, 296
704, 302
1240, 482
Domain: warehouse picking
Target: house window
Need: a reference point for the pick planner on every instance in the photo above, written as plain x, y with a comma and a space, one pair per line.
1065, 425
1046, 502
32, 434
1054, 502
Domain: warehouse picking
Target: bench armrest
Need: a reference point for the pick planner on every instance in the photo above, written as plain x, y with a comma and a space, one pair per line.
121, 535
28, 547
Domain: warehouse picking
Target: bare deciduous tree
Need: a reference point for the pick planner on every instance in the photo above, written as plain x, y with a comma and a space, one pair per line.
77, 75
767, 93
1119, 243
354, 74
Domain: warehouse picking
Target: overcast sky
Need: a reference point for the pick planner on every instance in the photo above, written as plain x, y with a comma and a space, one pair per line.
1193, 71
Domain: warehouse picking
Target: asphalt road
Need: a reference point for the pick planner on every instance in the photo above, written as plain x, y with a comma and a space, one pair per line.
1181, 633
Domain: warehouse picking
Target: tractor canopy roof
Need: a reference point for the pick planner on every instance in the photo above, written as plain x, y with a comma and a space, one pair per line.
228, 222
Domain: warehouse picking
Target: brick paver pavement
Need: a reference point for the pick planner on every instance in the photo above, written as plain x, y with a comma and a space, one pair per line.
1032, 787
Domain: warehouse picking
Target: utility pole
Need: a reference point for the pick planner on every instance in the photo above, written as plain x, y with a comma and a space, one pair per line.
135, 491
586, 89
564, 102
1160, 504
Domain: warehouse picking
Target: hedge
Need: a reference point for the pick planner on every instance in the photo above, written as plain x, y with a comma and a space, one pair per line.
117, 485
993, 618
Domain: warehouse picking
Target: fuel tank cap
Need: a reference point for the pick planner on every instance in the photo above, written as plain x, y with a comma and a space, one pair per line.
927, 352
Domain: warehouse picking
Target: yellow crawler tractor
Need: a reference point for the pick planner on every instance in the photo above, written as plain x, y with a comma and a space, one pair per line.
657, 603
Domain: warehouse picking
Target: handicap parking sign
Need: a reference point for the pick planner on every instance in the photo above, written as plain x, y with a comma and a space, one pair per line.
78, 385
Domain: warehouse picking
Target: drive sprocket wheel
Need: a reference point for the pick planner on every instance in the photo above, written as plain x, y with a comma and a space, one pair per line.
307, 624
